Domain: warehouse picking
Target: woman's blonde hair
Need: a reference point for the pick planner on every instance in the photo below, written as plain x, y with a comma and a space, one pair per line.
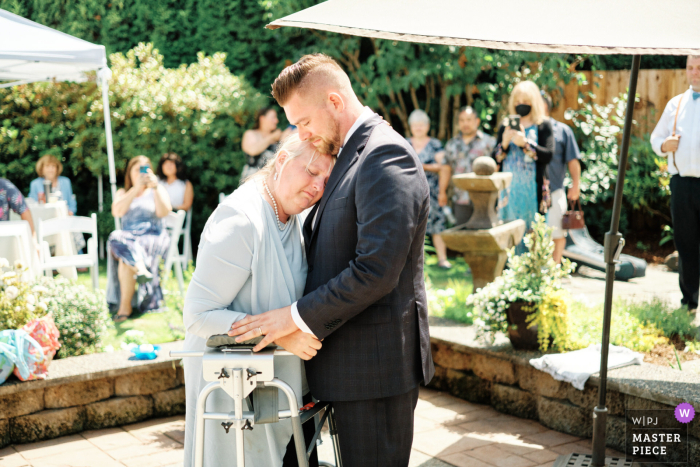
293, 147
531, 93
45, 160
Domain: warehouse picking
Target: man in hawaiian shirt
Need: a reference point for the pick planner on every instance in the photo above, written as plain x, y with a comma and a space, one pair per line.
460, 152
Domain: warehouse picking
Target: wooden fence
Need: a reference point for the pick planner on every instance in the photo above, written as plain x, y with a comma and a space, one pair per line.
654, 87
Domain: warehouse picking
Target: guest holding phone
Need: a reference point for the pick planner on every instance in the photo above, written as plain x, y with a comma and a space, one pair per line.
136, 249
524, 147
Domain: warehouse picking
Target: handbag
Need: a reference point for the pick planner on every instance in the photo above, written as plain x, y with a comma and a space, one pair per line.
573, 218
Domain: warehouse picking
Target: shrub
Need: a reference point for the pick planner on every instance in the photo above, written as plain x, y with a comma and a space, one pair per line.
81, 315
19, 301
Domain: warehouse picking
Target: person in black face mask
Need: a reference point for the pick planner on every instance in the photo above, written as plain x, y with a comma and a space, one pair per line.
524, 146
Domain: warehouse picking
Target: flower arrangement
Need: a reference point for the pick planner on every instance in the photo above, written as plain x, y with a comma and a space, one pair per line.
81, 315
533, 278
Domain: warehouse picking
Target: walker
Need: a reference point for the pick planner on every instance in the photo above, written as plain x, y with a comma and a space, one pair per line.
240, 372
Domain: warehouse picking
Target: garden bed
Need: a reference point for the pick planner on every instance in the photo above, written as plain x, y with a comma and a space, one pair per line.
90, 392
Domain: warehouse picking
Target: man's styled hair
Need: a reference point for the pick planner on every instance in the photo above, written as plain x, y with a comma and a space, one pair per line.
305, 73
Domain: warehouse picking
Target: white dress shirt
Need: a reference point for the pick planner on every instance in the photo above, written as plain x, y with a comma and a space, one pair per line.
687, 157
366, 114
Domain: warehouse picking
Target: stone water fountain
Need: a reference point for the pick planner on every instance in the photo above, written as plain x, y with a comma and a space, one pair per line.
484, 241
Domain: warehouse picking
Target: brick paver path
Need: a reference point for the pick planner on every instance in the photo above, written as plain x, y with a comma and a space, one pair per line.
448, 432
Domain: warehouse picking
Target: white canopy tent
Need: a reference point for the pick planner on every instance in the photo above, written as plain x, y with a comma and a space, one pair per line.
633, 27
31, 52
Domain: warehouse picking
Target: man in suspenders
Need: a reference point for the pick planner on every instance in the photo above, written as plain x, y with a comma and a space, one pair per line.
677, 137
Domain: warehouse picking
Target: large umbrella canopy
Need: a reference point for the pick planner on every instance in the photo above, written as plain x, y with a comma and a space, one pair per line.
33, 52
560, 26
634, 27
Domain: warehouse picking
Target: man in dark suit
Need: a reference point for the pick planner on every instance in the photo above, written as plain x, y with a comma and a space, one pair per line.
365, 292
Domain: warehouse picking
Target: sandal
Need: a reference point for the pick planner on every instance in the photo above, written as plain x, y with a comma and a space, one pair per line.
120, 318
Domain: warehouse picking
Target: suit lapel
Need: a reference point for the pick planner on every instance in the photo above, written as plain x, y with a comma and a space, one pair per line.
347, 157
308, 228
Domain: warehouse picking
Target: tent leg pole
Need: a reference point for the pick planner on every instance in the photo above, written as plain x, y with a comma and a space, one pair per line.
613, 246
108, 136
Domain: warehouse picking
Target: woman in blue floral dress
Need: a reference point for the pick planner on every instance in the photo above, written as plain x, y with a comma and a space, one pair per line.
525, 152
432, 155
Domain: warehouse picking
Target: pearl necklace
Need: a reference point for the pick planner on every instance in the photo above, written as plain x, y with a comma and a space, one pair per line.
274, 205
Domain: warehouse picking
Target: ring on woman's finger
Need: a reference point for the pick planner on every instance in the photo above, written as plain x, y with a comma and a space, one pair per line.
260, 331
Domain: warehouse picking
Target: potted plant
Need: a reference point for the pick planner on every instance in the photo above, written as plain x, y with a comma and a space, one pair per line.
527, 302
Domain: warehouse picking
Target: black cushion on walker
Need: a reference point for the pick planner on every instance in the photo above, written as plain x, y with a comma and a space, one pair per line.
224, 340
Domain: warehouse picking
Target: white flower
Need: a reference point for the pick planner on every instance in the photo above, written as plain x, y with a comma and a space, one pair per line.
30, 307
9, 275
12, 292
4, 263
19, 264
39, 289
42, 305
31, 299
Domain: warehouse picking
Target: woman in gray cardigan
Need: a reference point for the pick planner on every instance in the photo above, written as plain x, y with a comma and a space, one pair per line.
251, 259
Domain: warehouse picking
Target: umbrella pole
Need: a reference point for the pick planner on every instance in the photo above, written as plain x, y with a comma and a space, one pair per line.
613, 247
106, 74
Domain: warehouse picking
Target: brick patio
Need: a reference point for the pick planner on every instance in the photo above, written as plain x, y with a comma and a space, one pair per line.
448, 432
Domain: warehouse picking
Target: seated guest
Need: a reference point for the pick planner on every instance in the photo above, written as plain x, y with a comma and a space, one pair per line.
48, 167
430, 153
12, 199
524, 149
460, 152
171, 176
136, 250
259, 143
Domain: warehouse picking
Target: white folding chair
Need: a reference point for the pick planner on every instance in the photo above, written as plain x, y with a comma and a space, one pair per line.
21, 245
174, 222
70, 224
187, 237
222, 197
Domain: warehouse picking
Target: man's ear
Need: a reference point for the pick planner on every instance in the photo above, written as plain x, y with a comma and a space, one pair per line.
336, 101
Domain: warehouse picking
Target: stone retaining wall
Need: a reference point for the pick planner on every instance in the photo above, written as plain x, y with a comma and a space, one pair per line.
122, 392
511, 385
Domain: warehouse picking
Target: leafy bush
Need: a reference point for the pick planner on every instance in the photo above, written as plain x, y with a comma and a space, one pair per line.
81, 315
19, 301
198, 111
646, 192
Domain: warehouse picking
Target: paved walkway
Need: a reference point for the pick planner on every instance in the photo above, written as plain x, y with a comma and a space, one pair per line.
448, 432
589, 285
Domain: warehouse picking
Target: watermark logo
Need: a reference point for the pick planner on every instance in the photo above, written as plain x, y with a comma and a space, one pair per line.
685, 412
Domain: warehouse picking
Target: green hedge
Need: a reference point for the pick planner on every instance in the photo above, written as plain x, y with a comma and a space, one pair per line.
198, 111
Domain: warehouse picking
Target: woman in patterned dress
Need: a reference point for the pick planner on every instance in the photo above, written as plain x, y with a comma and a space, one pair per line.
432, 156
525, 152
136, 250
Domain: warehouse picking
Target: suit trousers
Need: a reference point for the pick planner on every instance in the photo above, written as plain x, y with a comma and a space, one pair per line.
685, 212
376, 432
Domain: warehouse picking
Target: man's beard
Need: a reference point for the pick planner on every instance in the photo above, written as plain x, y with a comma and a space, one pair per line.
331, 145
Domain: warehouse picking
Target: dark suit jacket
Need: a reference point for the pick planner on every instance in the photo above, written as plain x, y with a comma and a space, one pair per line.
365, 290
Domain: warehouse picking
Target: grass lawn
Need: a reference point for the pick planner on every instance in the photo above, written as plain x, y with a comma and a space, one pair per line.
448, 289
165, 326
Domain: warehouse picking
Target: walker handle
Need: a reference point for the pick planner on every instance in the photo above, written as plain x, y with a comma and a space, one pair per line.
185, 353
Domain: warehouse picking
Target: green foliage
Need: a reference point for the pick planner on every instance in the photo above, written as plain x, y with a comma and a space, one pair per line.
80, 314
198, 111
646, 191
448, 289
533, 278
19, 301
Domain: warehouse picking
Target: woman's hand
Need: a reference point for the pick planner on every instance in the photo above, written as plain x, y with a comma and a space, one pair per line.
150, 179
301, 344
519, 139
